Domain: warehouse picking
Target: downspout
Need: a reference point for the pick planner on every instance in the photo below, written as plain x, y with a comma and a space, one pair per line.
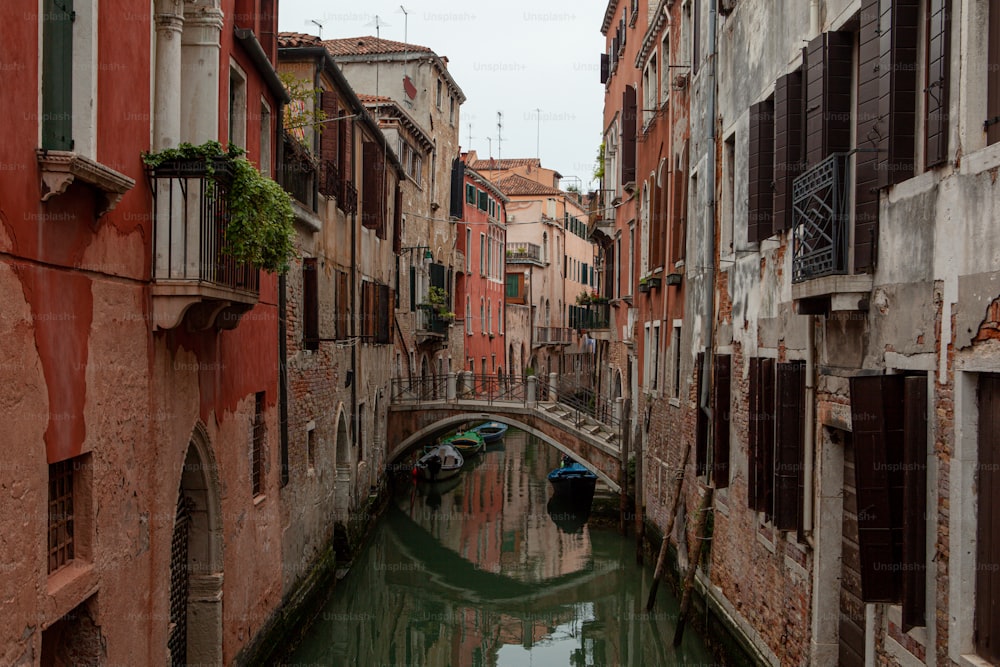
814, 26
282, 325
810, 433
704, 401
355, 343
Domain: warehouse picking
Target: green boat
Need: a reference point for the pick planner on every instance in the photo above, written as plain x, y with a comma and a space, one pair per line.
468, 443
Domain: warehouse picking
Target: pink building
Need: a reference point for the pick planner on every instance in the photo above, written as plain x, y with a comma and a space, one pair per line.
482, 237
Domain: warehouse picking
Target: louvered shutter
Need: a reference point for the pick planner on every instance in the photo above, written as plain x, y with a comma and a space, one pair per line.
721, 415
787, 146
866, 128
761, 171
915, 502
310, 304
937, 91
397, 220
987, 578
993, 77
605, 67
383, 310
457, 186
898, 31
370, 170
828, 95
328, 147
877, 419
413, 289
701, 425
788, 445
679, 213
753, 436
628, 134
57, 75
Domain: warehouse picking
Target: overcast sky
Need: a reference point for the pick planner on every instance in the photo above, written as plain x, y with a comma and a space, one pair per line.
512, 56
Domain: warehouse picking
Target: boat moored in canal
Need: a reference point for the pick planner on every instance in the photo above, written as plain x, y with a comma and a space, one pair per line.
573, 480
491, 431
440, 463
469, 443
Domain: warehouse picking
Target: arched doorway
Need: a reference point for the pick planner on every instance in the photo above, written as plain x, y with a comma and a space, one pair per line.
342, 446
195, 602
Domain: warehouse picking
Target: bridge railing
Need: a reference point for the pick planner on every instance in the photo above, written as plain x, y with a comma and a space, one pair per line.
467, 386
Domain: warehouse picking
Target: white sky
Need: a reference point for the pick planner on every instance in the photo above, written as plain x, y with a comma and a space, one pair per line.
512, 56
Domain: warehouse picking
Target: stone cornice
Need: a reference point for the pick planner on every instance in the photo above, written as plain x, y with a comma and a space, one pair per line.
60, 168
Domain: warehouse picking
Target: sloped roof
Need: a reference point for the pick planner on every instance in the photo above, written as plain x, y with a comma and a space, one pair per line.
506, 163
368, 45
515, 184
297, 39
375, 99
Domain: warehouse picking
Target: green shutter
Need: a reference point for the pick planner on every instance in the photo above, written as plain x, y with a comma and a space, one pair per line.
470, 194
483, 199
57, 75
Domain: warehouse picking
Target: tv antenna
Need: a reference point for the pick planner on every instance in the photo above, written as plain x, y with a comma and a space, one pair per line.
499, 132
318, 25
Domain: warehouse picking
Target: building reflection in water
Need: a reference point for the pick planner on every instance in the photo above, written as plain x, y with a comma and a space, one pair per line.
485, 570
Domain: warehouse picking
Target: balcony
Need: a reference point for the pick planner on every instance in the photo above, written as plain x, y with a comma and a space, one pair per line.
595, 316
194, 280
601, 216
430, 326
298, 174
821, 220
553, 335
524, 253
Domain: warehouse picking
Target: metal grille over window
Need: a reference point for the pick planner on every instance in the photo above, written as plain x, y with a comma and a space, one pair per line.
257, 453
60, 514
177, 640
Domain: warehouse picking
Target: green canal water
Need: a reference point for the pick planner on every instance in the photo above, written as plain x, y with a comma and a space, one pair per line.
487, 570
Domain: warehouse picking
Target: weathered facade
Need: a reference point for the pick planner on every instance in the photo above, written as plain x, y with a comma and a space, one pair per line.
836, 368
143, 488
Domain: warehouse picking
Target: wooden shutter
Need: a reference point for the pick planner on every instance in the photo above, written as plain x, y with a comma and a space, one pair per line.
701, 425
761, 174
766, 436
372, 175
383, 308
866, 129
437, 275
987, 617
310, 304
397, 220
344, 162
57, 75
937, 91
628, 134
695, 36
993, 78
457, 185
605, 67
898, 31
753, 436
877, 418
413, 289
828, 95
788, 445
721, 415
915, 502
328, 147
787, 146
679, 186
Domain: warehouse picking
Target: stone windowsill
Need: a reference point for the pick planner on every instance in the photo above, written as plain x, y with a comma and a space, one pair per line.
60, 168
67, 587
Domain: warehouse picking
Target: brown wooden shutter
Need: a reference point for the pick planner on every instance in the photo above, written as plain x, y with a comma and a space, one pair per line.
721, 414
629, 112
993, 78
761, 176
753, 436
828, 95
343, 306
384, 296
701, 425
695, 36
987, 617
397, 220
788, 445
679, 213
768, 413
373, 188
877, 418
898, 33
915, 502
328, 146
605, 67
787, 146
866, 129
310, 304
936, 93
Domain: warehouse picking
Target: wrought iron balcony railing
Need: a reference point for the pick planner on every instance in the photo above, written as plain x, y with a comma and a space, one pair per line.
524, 253
592, 316
553, 335
821, 219
429, 321
298, 174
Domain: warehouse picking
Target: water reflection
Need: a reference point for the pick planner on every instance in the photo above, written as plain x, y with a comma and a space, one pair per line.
485, 569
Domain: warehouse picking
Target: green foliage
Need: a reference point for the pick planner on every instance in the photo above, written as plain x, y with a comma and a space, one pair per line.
599, 167
261, 219
437, 299
299, 113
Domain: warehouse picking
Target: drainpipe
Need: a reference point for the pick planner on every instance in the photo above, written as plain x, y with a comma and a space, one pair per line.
282, 322
814, 26
355, 343
810, 433
704, 401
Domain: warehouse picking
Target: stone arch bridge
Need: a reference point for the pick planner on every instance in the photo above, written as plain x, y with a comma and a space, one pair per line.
423, 408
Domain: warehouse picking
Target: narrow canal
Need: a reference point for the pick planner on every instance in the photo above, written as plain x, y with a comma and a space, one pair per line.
486, 569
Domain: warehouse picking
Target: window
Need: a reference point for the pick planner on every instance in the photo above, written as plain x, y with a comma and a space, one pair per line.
483, 201
987, 619
237, 107
344, 303
57, 77
257, 446
482, 314
993, 77
631, 258
644, 231
936, 87
373, 209
489, 257
665, 68
618, 266
468, 249
489, 315
675, 344
695, 22
788, 150
376, 303
451, 109
761, 173
650, 95
482, 254
515, 288
500, 317
418, 169
788, 445
265, 139
889, 418
468, 315
310, 304
701, 423
61, 515
311, 443
760, 449
721, 407
470, 194
438, 97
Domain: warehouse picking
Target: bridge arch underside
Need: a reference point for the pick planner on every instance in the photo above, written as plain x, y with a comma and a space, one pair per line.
409, 426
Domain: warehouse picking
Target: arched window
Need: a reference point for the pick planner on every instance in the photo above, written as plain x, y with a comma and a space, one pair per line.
468, 314
489, 310
644, 231
545, 246
482, 314
500, 317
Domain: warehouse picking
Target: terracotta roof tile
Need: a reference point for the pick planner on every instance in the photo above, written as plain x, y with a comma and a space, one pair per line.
506, 163
375, 99
297, 39
359, 46
519, 185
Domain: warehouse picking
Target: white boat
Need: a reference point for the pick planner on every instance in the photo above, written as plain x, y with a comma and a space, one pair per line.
442, 462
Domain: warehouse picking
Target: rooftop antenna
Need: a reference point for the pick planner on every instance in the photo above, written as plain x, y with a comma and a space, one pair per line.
470, 135
406, 34
318, 25
499, 132
490, 139
538, 133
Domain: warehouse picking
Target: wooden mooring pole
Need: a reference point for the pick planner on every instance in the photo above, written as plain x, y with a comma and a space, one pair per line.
697, 550
661, 560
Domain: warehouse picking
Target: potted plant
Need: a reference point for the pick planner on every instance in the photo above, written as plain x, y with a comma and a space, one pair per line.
260, 226
644, 285
583, 299
654, 281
